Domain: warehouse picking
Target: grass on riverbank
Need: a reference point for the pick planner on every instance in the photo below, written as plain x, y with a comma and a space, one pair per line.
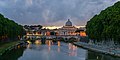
6, 45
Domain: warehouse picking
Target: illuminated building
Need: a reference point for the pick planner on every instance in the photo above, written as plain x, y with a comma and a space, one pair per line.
68, 29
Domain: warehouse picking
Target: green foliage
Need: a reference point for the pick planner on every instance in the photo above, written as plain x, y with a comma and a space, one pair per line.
106, 25
40, 26
9, 29
32, 27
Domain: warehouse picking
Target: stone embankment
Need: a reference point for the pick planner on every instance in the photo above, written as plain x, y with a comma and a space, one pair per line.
101, 49
17, 45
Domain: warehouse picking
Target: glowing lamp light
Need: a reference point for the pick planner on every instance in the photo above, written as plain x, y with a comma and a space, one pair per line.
37, 42
82, 34
29, 42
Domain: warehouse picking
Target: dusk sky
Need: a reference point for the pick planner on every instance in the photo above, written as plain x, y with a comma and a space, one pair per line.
52, 12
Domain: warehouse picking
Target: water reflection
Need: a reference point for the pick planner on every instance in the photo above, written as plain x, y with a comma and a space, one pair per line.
56, 51
52, 51
60, 51
73, 50
58, 43
14, 54
99, 56
58, 46
38, 42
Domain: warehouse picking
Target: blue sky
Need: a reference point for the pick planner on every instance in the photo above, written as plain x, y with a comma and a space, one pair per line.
52, 12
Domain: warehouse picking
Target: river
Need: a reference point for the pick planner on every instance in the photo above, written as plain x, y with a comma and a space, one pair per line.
54, 51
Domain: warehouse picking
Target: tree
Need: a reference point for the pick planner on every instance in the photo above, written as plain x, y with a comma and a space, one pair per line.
40, 26
9, 30
106, 25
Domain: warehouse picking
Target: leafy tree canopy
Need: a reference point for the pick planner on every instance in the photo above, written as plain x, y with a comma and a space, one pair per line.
9, 29
106, 25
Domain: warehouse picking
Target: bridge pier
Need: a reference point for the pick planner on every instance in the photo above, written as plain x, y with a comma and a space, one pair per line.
43, 40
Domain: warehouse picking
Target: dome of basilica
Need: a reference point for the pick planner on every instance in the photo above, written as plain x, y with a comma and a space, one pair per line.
68, 23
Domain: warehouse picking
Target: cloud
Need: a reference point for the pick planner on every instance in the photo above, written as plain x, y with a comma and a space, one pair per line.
2, 4
29, 2
52, 12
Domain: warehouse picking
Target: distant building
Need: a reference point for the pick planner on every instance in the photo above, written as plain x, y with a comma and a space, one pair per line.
68, 29
32, 30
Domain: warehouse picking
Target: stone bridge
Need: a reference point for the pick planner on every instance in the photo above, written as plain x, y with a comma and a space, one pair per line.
53, 36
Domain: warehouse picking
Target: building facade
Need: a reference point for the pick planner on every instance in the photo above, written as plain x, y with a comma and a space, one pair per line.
68, 29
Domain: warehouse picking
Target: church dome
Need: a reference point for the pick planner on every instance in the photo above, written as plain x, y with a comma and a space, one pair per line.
68, 23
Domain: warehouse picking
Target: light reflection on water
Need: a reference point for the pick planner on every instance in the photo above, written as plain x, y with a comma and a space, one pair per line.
73, 50
53, 51
60, 51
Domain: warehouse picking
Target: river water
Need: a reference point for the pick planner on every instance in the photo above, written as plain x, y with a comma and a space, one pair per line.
54, 51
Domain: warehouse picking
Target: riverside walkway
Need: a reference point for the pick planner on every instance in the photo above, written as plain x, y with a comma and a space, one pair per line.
102, 49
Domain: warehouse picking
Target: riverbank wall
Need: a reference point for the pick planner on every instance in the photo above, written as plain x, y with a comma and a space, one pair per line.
100, 49
12, 47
